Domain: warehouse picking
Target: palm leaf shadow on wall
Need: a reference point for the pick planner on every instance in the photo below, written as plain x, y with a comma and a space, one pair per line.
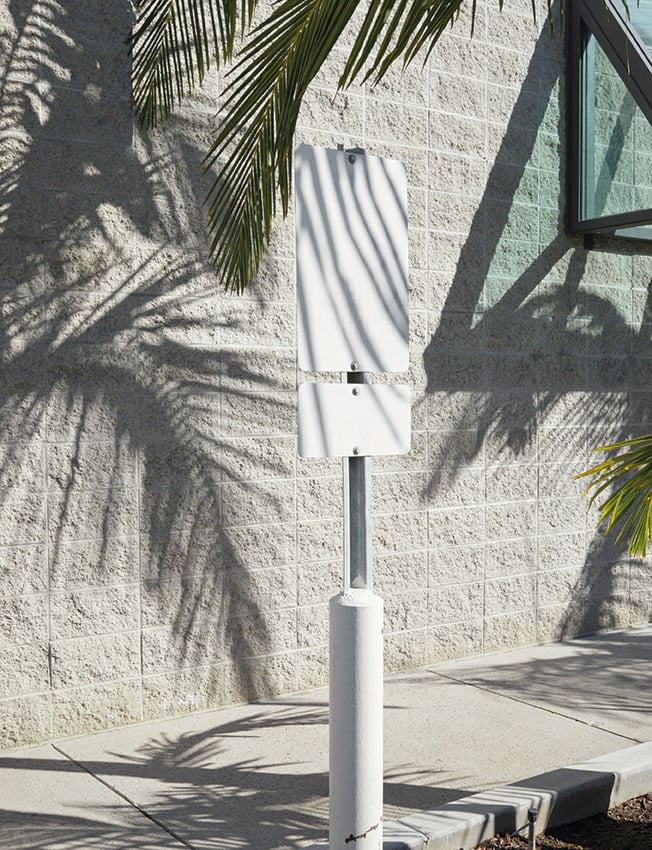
527, 342
120, 358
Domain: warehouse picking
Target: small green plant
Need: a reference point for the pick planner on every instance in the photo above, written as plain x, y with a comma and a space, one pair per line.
627, 512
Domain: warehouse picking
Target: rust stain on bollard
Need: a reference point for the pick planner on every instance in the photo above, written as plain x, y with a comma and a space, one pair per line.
363, 834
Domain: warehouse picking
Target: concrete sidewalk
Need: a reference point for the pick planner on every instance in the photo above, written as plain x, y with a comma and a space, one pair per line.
255, 776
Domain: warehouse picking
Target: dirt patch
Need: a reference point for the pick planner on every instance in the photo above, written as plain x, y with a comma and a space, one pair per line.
625, 827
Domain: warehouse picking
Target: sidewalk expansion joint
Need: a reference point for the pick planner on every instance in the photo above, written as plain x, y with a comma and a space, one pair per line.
124, 797
537, 707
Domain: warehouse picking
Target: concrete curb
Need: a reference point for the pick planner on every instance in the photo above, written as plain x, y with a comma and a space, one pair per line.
560, 796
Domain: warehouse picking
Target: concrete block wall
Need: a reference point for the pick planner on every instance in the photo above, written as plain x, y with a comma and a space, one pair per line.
162, 549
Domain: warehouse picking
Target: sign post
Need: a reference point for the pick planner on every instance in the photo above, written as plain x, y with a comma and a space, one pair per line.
351, 240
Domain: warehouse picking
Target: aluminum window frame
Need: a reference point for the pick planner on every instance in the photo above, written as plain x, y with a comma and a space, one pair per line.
606, 21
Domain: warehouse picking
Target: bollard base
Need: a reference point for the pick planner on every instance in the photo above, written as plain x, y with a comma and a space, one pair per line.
356, 721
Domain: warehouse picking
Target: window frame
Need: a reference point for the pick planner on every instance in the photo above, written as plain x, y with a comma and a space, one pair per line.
606, 21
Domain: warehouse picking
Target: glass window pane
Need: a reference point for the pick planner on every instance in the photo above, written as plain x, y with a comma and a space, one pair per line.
616, 144
640, 18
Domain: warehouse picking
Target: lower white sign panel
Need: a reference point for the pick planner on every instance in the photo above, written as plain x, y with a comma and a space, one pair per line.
345, 420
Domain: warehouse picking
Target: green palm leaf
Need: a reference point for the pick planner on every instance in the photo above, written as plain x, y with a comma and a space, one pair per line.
627, 512
257, 121
174, 43
395, 31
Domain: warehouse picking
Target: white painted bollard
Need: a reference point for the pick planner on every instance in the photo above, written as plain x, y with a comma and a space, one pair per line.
356, 721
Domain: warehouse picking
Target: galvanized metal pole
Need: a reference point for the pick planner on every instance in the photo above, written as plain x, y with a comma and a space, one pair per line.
357, 502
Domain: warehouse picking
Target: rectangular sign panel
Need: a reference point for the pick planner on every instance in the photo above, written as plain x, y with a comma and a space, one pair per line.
352, 261
347, 420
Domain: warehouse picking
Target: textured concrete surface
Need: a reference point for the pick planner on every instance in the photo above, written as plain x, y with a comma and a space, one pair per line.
256, 776
162, 549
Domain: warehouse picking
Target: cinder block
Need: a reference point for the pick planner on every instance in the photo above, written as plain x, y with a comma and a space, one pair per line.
262, 414
514, 629
184, 691
456, 526
340, 114
24, 619
23, 669
260, 678
400, 572
509, 557
402, 85
89, 563
501, 103
316, 583
455, 640
261, 545
452, 486
396, 122
559, 622
452, 213
555, 516
511, 519
22, 518
320, 540
312, 667
405, 650
251, 504
23, 570
455, 565
452, 173
78, 711
404, 491
452, 94
457, 134
318, 498
312, 626
248, 323
399, 532
511, 482
167, 649
90, 612
456, 602
250, 458
265, 590
98, 514
260, 633
405, 611
25, 720
90, 466
510, 594
510, 68
87, 660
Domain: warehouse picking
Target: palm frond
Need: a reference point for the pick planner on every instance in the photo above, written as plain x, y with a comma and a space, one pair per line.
255, 136
395, 30
174, 43
627, 512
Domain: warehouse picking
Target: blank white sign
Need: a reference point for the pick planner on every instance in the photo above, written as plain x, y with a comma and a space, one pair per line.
352, 261
345, 420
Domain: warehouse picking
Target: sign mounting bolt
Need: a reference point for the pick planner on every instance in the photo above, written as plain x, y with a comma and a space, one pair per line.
352, 158
354, 366
356, 450
356, 391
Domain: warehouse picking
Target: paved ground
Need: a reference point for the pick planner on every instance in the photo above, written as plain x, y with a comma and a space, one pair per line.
255, 776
